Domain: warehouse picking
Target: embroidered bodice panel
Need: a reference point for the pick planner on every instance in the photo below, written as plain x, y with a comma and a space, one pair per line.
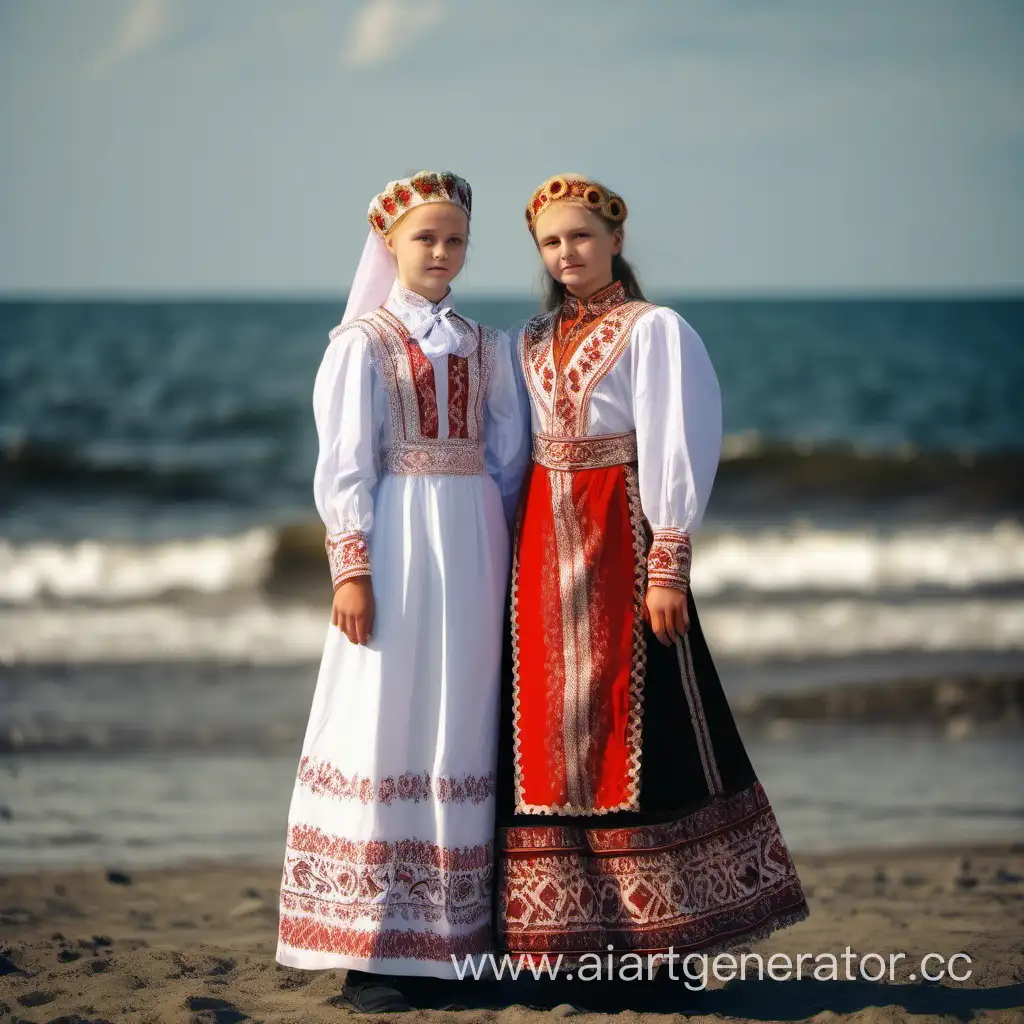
566, 353
411, 382
612, 366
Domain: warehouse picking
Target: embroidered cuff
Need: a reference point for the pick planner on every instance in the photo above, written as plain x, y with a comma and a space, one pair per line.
668, 561
347, 556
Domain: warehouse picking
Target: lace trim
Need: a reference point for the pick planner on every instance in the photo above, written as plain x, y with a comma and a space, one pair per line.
668, 561
347, 555
517, 725
638, 670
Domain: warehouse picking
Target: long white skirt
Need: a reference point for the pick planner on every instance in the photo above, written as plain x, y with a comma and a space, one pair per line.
389, 859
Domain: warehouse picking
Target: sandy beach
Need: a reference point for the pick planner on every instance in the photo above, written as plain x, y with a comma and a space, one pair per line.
196, 944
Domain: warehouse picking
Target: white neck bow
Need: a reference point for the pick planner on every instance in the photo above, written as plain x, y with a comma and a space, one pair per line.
439, 334
438, 329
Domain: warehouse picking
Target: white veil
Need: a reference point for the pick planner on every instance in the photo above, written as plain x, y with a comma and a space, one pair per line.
375, 275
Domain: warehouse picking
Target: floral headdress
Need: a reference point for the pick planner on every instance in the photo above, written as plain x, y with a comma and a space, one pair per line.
573, 188
388, 208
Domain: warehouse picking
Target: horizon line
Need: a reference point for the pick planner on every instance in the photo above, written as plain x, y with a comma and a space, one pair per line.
1009, 293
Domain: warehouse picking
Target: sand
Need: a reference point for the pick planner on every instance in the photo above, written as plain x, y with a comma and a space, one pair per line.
196, 944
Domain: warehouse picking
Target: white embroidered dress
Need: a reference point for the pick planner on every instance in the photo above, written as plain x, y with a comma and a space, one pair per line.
389, 859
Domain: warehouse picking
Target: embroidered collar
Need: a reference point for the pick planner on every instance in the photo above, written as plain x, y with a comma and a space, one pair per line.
403, 300
597, 305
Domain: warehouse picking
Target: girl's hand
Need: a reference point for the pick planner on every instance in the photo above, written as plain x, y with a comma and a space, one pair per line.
667, 613
352, 611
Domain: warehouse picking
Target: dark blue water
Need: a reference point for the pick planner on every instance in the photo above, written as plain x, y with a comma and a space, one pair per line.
142, 419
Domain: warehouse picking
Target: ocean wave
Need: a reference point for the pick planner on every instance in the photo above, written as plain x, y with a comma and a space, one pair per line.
762, 474
754, 471
107, 572
803, 559
291, 560
29, 465
267, 633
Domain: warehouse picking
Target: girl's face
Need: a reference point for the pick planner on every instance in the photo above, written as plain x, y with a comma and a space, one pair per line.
577, 248
429, 243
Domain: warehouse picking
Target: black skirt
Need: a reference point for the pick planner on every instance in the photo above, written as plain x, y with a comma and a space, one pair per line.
701, 865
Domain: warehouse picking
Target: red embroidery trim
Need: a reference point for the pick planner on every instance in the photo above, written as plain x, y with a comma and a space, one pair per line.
382, 944
723, 870
458, 397
668, 561
426, 394
312, 839
373, 880
347, 555
323, 779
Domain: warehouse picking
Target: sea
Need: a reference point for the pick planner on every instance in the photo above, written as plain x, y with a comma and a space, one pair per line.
164, 595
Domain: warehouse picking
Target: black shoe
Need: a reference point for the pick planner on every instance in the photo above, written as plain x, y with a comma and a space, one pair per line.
373, 993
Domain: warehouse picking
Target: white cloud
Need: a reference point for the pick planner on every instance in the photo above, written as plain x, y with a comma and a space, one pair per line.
144, 24
383, 28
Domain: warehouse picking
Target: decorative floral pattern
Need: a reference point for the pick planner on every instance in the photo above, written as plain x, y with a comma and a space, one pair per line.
451, 457
689, 884
591, 195
347, 896
458, 396
561, 386
347, 555
668, 561
387, 208
408, 378
426, 390
310, 933
587, 312
572, 453
323, 779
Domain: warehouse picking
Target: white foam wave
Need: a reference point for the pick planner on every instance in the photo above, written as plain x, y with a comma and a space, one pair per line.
256, 632
839, 627
779, 560
110, 572
262, 633
862, 562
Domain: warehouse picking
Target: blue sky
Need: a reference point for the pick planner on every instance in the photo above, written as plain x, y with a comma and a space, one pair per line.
231, 146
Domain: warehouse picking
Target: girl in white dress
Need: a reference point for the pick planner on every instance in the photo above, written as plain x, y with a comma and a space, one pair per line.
389, 859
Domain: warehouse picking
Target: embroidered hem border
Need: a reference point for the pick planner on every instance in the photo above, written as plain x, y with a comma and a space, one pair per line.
369, 909
720, 874
337, 893
407, 879
304, 933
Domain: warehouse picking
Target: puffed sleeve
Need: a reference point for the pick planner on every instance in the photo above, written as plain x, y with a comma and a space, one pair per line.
677, 407
506, 426
349, 418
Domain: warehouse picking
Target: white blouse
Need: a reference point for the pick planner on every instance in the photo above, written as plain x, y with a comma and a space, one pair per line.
676, 407
662, 386
354, 422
